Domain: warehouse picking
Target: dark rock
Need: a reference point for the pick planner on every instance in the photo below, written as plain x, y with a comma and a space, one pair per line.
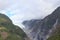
40, 28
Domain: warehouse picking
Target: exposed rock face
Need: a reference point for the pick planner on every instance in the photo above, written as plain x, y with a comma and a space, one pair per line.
41, 29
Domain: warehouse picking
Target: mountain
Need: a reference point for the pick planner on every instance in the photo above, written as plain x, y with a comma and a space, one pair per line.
9, 31
55, 34
44, 29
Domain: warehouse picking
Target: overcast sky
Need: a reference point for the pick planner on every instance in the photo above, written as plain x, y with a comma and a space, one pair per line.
20, 10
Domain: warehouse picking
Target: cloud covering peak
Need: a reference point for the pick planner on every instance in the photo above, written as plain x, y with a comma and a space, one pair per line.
20, 10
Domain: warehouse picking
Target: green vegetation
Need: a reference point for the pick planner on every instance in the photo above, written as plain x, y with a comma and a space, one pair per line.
9, 31
55, 37
56, 34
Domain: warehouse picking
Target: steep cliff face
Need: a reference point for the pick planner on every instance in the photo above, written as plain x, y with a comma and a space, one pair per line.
41, 29
9, 31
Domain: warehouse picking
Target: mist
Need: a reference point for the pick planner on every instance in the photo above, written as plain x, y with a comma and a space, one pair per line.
20, 10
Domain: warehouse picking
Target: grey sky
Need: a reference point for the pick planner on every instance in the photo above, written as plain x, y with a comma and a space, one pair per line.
20, 10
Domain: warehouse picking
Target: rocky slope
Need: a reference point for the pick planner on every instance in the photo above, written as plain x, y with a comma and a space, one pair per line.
42, 29
9, 31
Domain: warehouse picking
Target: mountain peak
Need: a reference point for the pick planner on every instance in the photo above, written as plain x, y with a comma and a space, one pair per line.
41, 28
9, 31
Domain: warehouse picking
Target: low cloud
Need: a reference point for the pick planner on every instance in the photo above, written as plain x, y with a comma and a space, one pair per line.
20, 10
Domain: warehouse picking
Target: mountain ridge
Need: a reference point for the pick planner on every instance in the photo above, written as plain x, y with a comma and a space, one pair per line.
9, 31
42, 29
